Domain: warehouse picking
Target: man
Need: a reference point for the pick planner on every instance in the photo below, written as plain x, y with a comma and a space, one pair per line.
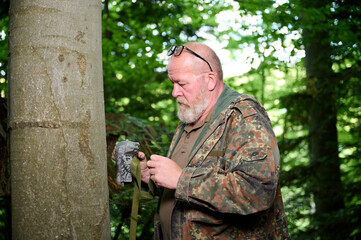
220, 177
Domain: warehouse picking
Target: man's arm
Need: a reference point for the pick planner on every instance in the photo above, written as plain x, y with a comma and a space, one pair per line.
249, 181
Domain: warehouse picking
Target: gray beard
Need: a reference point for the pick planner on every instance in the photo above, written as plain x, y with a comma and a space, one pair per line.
190, 114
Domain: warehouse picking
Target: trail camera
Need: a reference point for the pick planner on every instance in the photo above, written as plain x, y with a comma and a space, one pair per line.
124, 152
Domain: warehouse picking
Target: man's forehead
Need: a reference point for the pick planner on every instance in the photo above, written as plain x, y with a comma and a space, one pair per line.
180, 64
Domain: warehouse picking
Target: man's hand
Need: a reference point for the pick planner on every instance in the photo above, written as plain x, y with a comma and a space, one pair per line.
164, 171
144, 170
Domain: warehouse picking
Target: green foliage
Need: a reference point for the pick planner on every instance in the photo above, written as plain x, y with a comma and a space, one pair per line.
120, 210
4, 22
287, 24
2, 217
136, 35
152, 139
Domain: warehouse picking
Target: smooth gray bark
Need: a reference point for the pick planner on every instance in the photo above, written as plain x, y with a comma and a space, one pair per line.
56, 120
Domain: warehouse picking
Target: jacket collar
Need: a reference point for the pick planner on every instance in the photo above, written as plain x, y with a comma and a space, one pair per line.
227, 96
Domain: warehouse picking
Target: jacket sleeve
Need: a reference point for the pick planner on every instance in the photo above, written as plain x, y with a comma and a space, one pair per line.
248, 181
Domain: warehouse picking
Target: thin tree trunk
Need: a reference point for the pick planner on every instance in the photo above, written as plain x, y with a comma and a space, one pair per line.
56, 121
323, 142
322, 128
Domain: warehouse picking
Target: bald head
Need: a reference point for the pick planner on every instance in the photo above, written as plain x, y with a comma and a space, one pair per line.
206, 60
208, 54
196, 85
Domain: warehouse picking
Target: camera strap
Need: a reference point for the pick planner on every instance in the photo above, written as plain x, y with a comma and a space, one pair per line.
135, 170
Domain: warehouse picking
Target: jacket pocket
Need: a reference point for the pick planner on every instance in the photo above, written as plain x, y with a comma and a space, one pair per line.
254, 155
204, 218
250, 159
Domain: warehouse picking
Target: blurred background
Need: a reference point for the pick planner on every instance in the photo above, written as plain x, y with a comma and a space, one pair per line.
300, 58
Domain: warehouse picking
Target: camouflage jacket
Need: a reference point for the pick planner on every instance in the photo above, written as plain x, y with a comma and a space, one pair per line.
230, 188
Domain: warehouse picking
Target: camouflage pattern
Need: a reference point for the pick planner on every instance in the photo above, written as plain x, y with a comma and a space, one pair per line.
230, 187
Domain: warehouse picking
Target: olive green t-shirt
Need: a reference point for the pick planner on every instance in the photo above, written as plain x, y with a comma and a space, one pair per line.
180, 156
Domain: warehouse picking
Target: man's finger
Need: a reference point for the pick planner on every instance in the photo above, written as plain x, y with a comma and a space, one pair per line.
141, 156
151, 164
156, 157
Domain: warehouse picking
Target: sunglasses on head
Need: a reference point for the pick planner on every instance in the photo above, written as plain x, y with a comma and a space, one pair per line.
177, 50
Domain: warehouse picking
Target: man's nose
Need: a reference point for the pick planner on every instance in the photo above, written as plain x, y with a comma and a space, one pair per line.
176, 91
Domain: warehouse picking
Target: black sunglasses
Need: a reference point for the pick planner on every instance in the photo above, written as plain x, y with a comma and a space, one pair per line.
177, 50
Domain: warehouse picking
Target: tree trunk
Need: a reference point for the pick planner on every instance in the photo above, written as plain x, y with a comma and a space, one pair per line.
56, 120
323, 142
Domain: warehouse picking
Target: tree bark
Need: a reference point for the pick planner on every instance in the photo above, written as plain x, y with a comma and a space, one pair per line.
56, 121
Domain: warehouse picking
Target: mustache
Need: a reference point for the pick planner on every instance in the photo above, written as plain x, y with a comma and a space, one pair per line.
182, 101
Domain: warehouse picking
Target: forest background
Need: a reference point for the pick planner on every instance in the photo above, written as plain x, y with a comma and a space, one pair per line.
300, 58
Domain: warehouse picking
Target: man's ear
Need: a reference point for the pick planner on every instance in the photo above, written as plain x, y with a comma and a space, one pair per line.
211, 81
